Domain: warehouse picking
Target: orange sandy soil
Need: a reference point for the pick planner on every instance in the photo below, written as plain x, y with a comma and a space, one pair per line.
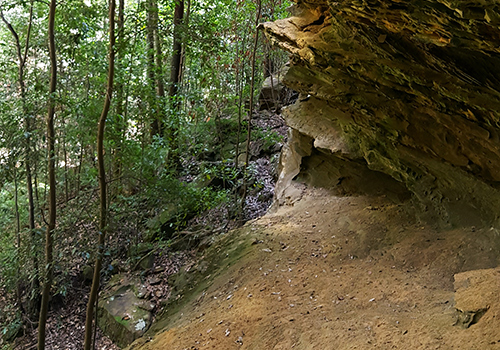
340, 273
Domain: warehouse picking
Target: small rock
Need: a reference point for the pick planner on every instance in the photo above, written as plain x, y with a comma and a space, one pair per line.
159, 269
154, 281
140, 291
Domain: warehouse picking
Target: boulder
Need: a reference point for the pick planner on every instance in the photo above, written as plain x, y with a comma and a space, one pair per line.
274, 94
143, 256
123, 313
270, 92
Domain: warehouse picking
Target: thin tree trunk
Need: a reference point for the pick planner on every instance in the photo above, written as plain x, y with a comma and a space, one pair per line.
94, 335
18, 242
52, 180
184, 42
274, 103
240, 75
150, 38
22, 56
175, 64
79, 168
175, 71
37, 192
16, 206
239, 96
160, 112
120, 124
102, 181
65, 155
250, 112
34, 289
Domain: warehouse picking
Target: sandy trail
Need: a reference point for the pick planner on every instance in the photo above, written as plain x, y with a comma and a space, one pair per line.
339, 273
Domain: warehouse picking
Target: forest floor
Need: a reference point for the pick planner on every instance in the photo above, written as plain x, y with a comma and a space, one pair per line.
66, 319
340, 273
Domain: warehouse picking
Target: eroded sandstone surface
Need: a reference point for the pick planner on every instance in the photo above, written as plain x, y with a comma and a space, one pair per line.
409, 88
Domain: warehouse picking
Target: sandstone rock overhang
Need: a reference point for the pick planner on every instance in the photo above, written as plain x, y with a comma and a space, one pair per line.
410, 87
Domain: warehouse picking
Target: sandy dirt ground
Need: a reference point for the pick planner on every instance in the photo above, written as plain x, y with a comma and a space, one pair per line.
344, 273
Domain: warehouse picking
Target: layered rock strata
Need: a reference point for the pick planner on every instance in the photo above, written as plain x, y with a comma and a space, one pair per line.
410, 89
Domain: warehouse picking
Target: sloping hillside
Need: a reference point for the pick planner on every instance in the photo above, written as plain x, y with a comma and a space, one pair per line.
330, 272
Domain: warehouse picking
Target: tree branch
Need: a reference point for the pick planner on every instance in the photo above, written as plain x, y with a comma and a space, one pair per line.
14, 34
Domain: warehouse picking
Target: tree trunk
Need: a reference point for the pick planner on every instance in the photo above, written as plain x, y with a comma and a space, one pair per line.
52, 181
102, 181
120, 122
65, 156
184, 42
175, 64
153, 105
240, 77
250, 112
18, 242
160, 112
175, 71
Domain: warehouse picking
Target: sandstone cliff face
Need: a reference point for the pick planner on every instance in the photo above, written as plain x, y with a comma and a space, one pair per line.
406, 88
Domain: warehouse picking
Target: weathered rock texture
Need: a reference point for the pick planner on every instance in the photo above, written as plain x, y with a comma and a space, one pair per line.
406, 88
124, 314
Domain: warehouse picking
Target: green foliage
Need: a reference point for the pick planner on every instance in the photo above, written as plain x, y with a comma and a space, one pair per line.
150, 178
8, 253
8, 259
224, 171
12, 328
269, 138
163, 198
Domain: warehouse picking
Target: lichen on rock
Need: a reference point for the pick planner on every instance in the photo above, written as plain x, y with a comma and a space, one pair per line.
123, 314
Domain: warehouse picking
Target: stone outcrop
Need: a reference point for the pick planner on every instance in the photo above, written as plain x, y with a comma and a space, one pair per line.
270, 92
405, 88
124, 313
